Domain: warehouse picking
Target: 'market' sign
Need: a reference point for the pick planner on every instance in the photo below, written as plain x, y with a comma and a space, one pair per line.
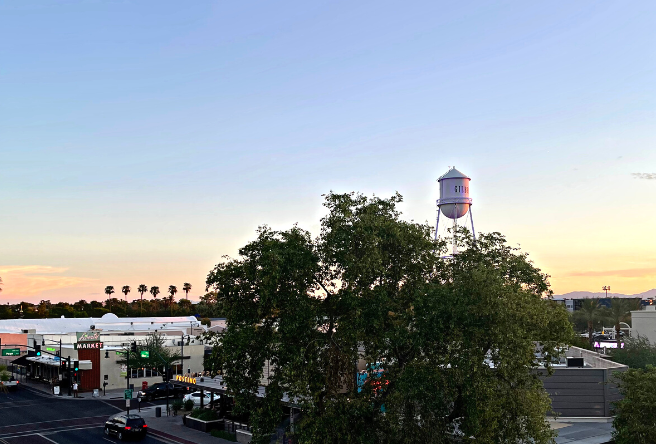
88, 345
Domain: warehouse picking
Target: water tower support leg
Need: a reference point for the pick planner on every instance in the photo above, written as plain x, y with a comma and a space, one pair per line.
437, 225
471, 217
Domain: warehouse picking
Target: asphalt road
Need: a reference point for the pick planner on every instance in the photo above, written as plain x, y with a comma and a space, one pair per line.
29, 417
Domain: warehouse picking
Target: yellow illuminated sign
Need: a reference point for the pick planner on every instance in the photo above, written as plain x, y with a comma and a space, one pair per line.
185, 379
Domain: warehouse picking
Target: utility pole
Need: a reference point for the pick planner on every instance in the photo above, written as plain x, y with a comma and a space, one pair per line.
606, 288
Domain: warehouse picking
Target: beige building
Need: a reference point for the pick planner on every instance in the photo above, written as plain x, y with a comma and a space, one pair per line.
643, 323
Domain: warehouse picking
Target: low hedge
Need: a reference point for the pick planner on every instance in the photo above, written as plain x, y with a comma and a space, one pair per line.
204, 414
225, 435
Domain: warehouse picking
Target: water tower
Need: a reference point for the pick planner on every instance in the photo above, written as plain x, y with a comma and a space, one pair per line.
454, 201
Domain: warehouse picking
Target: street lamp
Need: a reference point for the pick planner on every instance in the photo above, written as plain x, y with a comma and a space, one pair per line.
606, 288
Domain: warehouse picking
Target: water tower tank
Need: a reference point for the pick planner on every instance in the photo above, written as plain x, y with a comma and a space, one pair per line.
454, 201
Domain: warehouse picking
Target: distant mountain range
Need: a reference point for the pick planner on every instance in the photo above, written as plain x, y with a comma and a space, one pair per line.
590, 295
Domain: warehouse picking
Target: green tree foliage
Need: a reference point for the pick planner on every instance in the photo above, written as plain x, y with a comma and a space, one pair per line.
159, 357
637, 353
635, 422
456, 338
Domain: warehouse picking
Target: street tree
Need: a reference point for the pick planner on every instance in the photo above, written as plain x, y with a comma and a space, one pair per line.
450, 343
158, 357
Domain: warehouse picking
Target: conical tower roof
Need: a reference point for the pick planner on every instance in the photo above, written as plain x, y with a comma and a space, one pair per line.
453, 173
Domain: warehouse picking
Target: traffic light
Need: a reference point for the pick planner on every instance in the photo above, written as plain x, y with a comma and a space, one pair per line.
76, 366
37, 349
133, 347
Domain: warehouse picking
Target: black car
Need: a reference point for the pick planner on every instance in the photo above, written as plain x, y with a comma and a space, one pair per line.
126, 426
159, 391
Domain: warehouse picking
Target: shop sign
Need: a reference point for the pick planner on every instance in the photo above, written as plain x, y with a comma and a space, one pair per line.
88, 345
185, 379
51, 349
88, 336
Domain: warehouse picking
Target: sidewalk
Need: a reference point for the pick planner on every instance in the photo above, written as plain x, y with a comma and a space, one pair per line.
47, 389
171, 427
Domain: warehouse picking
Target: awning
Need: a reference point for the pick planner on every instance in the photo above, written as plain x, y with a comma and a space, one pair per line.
84, 364
21, 361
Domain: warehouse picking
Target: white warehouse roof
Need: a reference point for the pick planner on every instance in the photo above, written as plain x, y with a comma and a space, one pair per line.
109, 322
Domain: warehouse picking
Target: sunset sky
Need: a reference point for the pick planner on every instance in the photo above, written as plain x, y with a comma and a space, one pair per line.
140, 141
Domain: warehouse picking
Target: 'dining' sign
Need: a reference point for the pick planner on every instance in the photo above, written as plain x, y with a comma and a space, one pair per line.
185, 379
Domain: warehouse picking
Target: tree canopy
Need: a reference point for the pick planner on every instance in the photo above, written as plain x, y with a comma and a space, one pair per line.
634, 421
454, 339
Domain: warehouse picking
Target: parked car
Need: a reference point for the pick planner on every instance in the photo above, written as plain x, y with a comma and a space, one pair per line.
126, 426
196, 397
159, 391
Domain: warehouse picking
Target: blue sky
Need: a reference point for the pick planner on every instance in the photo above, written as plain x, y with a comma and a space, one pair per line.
143, 140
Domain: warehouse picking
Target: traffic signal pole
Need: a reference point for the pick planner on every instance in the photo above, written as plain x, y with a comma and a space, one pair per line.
68, 366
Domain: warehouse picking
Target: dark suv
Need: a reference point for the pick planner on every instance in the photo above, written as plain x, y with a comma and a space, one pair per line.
159, 391
126, 426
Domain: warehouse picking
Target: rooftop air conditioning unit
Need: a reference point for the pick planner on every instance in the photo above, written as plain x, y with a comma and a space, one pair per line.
575, 362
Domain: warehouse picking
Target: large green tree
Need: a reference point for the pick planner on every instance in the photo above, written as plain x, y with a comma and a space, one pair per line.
455, 338
634, 421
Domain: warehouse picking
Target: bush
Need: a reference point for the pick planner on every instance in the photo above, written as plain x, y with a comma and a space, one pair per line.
637, 353
635, 422
225, 435
189, 404
204, 414
176, 405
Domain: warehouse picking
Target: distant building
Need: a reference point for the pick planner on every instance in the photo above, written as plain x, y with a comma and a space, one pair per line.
97, 343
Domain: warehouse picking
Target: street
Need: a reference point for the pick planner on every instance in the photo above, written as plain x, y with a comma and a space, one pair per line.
30, 417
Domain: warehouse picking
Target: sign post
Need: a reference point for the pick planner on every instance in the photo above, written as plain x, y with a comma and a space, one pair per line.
128, 396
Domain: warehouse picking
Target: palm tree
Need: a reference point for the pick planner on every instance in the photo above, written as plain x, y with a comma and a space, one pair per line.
142, 289
172, 291
186, 287
154, 291
620, 311
109, 290
591, 312
126, 290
